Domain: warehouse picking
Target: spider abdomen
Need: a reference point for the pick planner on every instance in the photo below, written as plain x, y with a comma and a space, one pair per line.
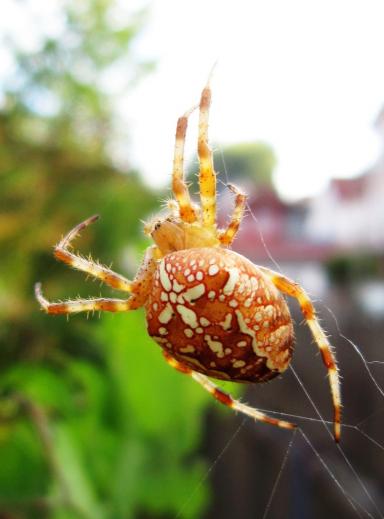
214, 311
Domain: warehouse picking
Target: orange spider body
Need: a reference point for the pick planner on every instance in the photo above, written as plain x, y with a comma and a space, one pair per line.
211, 310
216, 312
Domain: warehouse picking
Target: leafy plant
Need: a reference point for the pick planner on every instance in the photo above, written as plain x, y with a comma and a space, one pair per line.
93, 424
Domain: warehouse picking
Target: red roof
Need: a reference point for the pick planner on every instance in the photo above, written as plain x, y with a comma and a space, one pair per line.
276, 229
257, 250
349, 188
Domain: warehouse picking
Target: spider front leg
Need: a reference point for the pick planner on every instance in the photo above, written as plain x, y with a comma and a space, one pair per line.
225, 398
179, 187
140, 289
106, 275
227, 236
291, 288
207, 175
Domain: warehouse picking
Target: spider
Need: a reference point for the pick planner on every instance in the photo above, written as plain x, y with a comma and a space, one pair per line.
213, 312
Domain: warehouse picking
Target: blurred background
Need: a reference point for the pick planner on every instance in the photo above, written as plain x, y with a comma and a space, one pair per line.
93, 423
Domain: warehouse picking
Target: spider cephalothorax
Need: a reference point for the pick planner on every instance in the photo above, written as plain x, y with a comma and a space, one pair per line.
212, 311
170, 233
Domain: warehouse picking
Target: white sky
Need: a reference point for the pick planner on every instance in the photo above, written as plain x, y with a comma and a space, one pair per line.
305, 76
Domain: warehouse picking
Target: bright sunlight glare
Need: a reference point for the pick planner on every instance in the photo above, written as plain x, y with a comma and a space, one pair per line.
306, 77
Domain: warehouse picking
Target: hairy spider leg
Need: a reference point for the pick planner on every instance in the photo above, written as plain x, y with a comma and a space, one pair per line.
179, 186
207, 175
81, 305
140, 290
225, 398
227, 235
105, 274
292, 289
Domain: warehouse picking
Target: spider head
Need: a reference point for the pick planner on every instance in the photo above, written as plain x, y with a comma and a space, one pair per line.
166, 232
170, 233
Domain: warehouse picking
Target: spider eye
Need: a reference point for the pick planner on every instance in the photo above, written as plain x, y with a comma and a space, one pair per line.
157, 226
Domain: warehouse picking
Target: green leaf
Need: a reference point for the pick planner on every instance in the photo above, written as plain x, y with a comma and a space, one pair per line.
39, 384
72, 467
23, 471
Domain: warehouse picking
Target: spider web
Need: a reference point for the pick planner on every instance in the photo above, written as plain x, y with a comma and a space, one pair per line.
264, 472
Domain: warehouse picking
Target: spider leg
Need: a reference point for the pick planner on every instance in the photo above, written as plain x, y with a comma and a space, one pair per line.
291, 288
81, 305
227, 235
109, 277
179, 187
207, 175
225, 398
140, 289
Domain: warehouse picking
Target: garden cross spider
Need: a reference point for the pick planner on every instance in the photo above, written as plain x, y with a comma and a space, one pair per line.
213, 312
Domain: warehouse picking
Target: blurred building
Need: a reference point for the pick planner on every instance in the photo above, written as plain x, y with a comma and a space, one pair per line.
350, 213
346, 219
274, 234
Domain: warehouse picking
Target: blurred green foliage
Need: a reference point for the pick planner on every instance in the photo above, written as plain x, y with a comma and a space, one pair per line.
255, 161
93, 423
249, 163
101, 439
346, 269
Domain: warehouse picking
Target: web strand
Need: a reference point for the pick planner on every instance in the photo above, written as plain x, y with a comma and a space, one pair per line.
355, 504
211, 468
350, 500
279, 474
253, 216
347, 461
357, 350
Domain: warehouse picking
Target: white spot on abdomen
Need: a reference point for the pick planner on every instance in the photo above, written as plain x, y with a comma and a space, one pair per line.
166, 314
215, 346
188, 316
226, 324
164, 279
229, 287
177, 287
213, 270
194, 293
187, 349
